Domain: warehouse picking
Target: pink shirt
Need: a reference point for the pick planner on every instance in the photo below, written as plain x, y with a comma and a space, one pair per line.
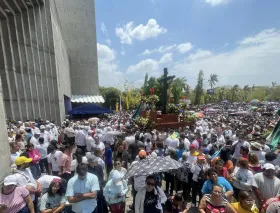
66, 163
35, 155
14, 201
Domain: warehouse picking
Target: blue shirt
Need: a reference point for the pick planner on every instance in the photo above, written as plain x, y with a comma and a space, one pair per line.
108, 156
207, 186
89, 184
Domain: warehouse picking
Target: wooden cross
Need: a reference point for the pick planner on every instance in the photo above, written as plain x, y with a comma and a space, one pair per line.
166, 83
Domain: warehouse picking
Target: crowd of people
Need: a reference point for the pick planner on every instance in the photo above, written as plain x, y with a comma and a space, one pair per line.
227, 165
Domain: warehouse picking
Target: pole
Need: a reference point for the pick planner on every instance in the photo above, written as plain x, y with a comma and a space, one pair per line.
165, 91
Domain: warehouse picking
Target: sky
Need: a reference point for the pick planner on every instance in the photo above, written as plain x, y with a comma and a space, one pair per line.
239, 40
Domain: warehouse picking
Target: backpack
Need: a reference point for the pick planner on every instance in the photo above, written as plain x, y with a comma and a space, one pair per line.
202, 177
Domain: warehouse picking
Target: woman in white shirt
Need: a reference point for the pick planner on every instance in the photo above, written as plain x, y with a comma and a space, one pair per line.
242, 177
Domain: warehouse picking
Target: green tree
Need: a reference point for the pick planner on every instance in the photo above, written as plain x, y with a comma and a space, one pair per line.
199, 88
177, 88
234, 93
146, 86
111, 96
246, 91
213, 80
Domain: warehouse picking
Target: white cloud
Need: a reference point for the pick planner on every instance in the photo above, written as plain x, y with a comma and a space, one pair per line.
167, 58
107, 66
161, 49
182, 48
128, 33
254, 61
108, 41
199, 54
185, 47
214, 3
123, 51
261, 37
150, 65
147, 65
104, 29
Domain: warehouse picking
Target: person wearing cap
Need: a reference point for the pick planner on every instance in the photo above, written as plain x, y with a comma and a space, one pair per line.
25, 178
34, 139
28, 134
95, 168
44, 134
139, 180
265, 185
115, 191
256, 148
199, 177
82, 191
13, 198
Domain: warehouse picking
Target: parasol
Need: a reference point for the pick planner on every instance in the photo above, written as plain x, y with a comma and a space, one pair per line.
93, 120
254, 101
198, 115
241, 113
152, 165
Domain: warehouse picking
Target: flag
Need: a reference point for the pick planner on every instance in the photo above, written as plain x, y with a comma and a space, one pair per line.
138, 111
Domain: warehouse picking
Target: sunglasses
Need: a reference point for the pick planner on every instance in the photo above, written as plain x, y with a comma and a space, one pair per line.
150, 184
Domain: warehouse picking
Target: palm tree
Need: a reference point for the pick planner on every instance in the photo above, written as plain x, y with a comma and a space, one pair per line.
234, 92
246, 90
213, 80
177, 88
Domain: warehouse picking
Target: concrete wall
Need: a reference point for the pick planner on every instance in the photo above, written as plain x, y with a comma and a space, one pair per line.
79, 29
34, 64
61, 59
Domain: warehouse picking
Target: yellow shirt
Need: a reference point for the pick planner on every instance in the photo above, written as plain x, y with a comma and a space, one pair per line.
239, 209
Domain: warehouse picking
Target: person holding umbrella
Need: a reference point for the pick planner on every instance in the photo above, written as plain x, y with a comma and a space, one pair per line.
150, 198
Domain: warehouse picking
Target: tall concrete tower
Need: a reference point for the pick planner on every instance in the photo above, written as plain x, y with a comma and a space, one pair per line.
79, 30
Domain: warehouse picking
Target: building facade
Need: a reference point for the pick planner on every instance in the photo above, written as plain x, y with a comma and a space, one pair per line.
48, 53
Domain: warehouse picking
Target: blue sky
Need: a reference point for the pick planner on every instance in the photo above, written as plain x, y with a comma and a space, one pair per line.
237, 39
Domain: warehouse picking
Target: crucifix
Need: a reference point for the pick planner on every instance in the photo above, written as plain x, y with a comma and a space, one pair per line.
166, 83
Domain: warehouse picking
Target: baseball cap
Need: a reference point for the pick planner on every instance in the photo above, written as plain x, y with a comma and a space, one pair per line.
21, 160
193, 146
201, 157
142, 154
256, 145
42, 127
10, 180
269, 166
92, 159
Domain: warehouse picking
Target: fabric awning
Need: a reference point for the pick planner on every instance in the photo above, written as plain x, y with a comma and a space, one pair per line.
90, 109
87, 99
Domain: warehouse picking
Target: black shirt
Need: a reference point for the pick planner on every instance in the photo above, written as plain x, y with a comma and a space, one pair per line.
134, 149
150, 203
98, 171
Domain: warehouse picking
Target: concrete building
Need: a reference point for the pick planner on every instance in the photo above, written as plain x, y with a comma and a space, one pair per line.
48, 54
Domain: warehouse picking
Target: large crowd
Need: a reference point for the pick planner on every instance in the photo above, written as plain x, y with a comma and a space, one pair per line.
227, 166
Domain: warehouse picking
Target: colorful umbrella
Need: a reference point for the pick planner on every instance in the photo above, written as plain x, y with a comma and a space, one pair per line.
255, 101
198, 115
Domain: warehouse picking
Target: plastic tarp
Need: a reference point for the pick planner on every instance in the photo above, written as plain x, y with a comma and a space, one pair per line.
89, 109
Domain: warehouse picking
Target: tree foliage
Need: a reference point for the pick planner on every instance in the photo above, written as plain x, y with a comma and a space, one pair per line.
199, 88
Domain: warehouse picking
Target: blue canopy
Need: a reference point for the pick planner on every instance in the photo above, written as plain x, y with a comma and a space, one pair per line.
89, 109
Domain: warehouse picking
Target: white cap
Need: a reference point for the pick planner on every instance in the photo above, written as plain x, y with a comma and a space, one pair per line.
268, 166
10, 180
42, 127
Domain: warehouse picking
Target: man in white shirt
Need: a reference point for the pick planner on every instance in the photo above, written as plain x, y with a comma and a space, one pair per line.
54, 159
89, 141
35, 137
185, 141
237, 145
80, 140
15, 152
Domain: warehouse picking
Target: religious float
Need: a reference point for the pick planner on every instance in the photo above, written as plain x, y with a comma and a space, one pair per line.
168, 115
